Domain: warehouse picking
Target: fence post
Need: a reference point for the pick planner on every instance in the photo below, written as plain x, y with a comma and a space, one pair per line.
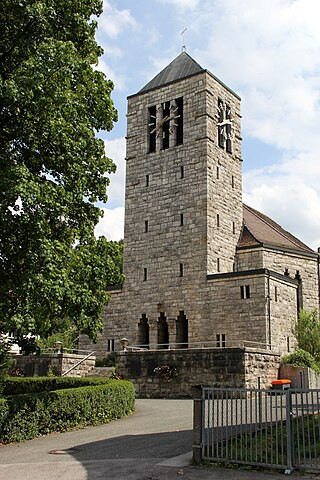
197, 423
289, 468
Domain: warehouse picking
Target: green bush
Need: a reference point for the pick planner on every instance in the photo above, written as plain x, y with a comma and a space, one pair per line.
29, 415
300, 358
108, 361
20, 385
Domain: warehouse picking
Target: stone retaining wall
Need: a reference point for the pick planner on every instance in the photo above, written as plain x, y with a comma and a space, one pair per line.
55, 363
225, 367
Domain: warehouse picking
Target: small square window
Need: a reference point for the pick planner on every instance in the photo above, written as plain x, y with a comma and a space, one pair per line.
110, 345
245, 291
221, 340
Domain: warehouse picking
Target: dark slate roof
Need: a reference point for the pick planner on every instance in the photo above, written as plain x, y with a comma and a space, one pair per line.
258, 229
181, 67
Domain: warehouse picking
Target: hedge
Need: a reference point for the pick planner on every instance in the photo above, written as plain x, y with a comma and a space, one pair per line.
18, 385
28, 415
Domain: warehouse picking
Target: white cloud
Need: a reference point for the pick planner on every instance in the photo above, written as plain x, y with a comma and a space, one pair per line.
111, 225
117, 79
185, 4
269, 53
116, 149
113, 22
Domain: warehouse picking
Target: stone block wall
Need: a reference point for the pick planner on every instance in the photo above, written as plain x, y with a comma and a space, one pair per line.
225, 367
39, 366
308, 269
224, 182
263, 365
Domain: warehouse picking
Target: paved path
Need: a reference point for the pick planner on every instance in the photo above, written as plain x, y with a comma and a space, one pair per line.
153, 444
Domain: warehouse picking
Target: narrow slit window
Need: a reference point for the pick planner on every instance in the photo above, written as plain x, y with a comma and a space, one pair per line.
165, 125
233, 228
178, 121
247, 291
182, 171
147, 180
152, 117
218, 220
218, 264
145, 274
181, 219
228, 130
218, 173
218, 340
146, 226
276, 294
232, 181
181, 270
223, 340
220, 128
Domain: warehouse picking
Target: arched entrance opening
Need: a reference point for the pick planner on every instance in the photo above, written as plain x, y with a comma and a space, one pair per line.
182, 330
143, 331
163, 332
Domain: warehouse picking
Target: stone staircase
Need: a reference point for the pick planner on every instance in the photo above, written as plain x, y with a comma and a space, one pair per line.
100, 372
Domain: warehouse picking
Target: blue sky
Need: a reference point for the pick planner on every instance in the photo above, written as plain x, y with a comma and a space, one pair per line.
266, 51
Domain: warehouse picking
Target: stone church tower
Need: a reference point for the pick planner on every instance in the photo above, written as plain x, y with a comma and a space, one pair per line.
196, 261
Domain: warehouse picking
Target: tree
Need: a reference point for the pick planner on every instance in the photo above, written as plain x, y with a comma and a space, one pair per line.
53, 168
307, 332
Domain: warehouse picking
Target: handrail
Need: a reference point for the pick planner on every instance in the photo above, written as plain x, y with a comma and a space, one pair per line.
75, 366
203, 345
72, 351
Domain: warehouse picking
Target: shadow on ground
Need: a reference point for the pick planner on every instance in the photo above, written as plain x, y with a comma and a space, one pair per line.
155, 445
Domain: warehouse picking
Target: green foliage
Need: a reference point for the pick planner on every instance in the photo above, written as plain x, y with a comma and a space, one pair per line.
21, 385
108, 361
68, 338
53, 168
36, 414
4, 410
300, 358
5, 359
307, 332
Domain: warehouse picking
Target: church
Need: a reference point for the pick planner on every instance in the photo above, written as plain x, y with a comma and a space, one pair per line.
202, 269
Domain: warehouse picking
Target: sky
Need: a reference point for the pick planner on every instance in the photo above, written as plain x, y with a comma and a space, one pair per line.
268, 52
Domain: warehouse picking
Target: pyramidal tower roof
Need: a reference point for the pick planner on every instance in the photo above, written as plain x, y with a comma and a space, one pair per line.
181, 67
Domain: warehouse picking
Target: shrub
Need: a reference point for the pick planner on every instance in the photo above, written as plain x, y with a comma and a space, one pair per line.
300, 358
307, 331
108, 361
4, 410
20, 385
29, 415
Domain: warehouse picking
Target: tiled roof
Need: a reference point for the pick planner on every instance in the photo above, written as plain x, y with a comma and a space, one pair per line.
181, 67
258, 229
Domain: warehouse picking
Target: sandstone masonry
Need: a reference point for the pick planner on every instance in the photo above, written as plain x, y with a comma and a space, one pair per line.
201, 269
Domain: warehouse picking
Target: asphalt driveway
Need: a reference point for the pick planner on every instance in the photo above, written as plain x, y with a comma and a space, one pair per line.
155, 443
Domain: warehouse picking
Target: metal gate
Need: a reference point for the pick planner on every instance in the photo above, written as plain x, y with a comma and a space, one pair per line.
268, 428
